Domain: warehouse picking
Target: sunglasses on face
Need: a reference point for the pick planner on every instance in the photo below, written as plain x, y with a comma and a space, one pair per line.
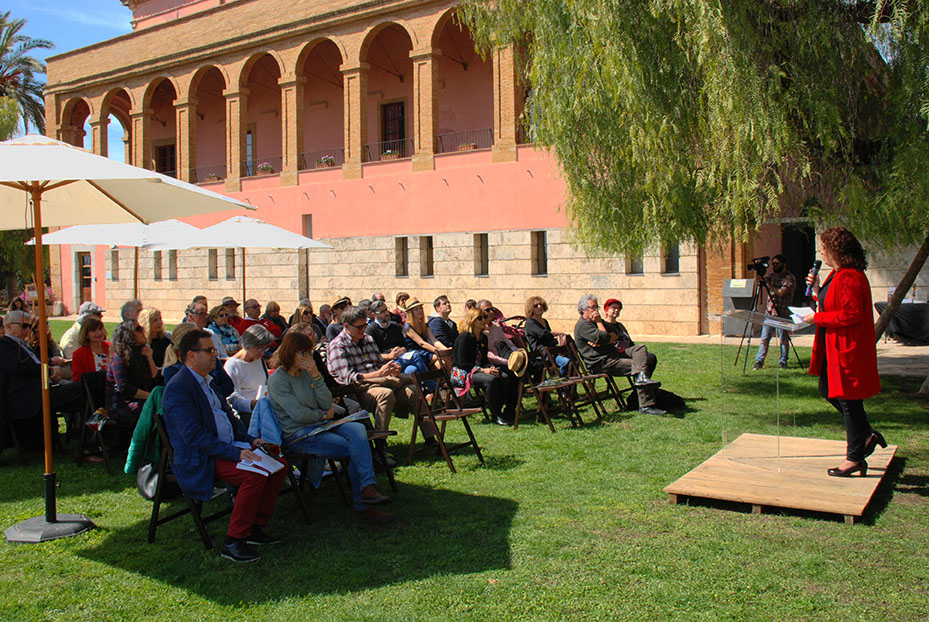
222, 315
210, 350
137, 329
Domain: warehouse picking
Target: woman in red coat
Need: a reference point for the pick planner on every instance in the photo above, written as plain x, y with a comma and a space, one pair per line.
845, 352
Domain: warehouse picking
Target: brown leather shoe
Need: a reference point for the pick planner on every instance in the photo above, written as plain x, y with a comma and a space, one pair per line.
374, 516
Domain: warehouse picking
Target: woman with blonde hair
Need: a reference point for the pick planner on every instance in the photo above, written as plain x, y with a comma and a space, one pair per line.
158, 338
471, 367
419, 336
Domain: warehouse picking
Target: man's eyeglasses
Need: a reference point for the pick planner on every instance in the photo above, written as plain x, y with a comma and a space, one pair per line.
358, 326
210, 350
198, 312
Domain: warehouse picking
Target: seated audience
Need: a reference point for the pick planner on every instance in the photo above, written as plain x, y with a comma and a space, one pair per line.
386, 333
197, 314
69, 341
227, 339
131, 374
539, 333
419, 338
20, 382
301, 401
499, 347
441, 325
353, 357
203, 432
173, 363
599, 345
325, 315
233, 318
94, 351
398, 315
158, 338
248, 369
470, 366
337, 307
130, 310
273, 321
304, 313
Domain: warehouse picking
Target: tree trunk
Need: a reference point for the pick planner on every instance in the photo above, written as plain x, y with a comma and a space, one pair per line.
902, 288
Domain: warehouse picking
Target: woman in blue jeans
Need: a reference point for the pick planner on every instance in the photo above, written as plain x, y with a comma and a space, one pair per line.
302, 402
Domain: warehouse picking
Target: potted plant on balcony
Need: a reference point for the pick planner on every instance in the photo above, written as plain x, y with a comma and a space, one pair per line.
467, 146
326, 161
265, 169
390, 154
211, 177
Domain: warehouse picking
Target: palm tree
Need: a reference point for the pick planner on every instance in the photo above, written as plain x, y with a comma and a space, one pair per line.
18, 71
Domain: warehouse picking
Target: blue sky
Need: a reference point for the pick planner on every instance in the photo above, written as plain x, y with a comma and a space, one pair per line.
71, 24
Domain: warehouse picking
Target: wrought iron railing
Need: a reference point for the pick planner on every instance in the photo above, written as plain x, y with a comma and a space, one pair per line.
323, 158
207, 174
262, 166
467, 140
389, 150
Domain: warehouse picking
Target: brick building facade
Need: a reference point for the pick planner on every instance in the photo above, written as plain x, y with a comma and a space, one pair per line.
371, 125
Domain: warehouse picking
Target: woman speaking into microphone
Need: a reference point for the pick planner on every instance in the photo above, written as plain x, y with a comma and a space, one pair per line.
844, 350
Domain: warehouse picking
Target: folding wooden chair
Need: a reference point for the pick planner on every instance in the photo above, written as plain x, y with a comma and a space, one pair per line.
445, 407
194, 507
94, 399
549, 385
611, 389
376, 438
584, 381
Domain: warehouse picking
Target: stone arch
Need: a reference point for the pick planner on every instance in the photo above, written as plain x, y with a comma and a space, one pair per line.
375, 30
249, 65
74, 114
153, 86
309, 47
194, 83
322, 135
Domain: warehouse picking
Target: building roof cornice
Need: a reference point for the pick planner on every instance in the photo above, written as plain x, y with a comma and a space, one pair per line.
354, 11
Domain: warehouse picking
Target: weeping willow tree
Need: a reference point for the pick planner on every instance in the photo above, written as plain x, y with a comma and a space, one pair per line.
697, 120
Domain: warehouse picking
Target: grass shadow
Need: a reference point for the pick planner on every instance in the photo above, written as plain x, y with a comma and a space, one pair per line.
438, 532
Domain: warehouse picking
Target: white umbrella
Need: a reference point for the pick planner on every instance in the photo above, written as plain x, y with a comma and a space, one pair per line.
242, 231
167, 235
66, 186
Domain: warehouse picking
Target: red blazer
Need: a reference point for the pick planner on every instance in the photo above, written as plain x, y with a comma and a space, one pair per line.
82, 361
845, 337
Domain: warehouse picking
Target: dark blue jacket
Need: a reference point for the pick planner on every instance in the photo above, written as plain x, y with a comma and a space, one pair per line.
192, 431
443, 332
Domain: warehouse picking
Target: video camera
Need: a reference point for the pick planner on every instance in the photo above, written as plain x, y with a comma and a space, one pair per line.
759, 265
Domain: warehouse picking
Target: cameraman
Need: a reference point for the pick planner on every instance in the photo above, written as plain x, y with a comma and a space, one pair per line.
781, 286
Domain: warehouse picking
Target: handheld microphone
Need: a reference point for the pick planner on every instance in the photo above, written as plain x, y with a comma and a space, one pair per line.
814, 271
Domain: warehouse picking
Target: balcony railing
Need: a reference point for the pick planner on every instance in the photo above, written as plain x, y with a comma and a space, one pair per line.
467, 140
324, 158
262, 166
207, 174
389, 150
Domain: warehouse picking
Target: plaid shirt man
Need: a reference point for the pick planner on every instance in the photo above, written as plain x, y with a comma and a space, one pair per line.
347, 360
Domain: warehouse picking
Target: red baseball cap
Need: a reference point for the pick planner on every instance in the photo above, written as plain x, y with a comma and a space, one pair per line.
613, 301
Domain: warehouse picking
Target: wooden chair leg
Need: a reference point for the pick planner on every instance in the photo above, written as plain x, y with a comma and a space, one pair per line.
543, 410
301, 499
477, 449
338, 480
380, 446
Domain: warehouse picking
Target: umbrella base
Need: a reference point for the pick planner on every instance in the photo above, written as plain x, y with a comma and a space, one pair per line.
37, 529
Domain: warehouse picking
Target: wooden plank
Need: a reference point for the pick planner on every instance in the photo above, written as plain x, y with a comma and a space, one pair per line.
748, 470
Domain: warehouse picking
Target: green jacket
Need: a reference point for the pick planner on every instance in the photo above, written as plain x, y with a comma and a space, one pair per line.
145, 446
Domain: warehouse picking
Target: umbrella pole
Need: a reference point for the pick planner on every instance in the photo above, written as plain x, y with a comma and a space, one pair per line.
135, 285
52, 525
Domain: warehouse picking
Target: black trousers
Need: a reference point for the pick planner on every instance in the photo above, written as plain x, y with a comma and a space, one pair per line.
500, 392
857, 428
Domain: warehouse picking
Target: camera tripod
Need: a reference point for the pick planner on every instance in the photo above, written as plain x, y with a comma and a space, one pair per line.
759, 289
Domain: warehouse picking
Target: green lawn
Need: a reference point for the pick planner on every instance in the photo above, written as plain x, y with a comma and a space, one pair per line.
572, 525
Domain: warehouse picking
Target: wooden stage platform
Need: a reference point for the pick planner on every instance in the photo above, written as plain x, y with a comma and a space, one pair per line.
746, 471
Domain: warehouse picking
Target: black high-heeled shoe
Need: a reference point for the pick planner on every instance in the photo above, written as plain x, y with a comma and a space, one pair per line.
861, 467
873, 441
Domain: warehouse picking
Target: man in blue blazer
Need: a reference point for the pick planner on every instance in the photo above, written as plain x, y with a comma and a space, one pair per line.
203, 432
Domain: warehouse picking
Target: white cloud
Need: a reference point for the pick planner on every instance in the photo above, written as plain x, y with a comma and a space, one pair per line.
101, 20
